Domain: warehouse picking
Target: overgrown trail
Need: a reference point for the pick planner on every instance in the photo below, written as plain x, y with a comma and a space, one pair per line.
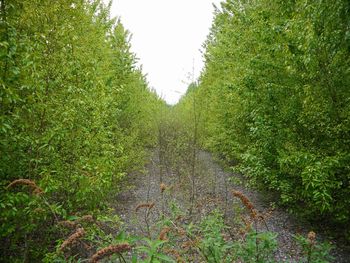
77, 114
214, 188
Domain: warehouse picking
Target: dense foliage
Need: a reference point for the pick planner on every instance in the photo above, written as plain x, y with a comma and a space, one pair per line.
275, 97
75, 116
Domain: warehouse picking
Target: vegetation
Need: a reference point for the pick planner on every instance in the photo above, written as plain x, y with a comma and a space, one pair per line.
174, 240
77, 117
274, 99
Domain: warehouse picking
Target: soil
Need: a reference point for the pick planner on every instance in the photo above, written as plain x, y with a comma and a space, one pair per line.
214, 188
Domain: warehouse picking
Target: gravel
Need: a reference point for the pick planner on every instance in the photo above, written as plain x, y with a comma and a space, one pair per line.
213, 190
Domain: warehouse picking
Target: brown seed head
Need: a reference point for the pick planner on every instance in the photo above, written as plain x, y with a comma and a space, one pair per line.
144, 205
187, 244
248, 224
163, 187
73, 238
246, 202
311, 236
36, 189
164, 233
110, 250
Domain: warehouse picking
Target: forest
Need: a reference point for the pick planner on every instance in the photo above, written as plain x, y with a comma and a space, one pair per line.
251, 165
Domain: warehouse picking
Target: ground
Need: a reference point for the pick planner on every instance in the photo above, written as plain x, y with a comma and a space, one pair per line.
214, 187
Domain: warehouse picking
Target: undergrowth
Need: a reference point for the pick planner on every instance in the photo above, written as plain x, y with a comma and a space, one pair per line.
178, 237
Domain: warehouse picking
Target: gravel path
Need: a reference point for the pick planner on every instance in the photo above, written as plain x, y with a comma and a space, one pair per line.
213, 190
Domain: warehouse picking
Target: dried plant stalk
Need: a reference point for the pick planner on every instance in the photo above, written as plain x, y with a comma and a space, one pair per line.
246, 202
247, 223
311, 237
163, 187
164, 233
144, 205
73, 238
110, 250
36, 189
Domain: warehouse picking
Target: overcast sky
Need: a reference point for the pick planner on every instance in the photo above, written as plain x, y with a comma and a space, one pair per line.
167, 36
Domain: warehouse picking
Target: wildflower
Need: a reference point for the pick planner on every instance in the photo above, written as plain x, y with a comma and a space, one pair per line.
110, 250
73, 238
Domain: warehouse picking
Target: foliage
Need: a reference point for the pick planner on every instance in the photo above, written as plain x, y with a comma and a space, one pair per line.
210, 240
213, 245
75, 116
258, 247
179, 236
313, 251
152, 252
274, 98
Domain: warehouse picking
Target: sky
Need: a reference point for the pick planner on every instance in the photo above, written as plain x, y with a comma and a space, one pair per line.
167, 36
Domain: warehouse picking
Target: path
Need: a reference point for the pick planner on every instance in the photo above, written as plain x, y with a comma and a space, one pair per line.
213, 190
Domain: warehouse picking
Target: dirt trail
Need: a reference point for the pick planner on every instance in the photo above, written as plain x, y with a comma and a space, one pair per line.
213, 190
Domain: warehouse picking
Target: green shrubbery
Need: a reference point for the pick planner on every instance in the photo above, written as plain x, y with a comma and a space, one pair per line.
274, 96
75, 116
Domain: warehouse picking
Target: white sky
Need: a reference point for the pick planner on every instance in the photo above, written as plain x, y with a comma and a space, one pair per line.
167, 36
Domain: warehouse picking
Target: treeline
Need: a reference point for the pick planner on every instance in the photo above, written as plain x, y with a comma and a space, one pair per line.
76, 115
274, 97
